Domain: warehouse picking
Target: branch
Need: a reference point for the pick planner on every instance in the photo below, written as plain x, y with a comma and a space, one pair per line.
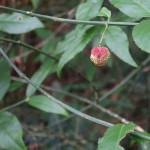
123, 82
88, 117
51, 57
72, 21
125, 79
13, 105
51, 97
82, 99
28, 46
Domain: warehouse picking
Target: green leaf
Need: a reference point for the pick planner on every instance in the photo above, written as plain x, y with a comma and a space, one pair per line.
113, 136
18, 23
4, 77
45, 104
88, 10
105, 12
38, 77
35, 3
75, 46
141, 35
10, 132
133, 8
117, 41
139, 139
72, 39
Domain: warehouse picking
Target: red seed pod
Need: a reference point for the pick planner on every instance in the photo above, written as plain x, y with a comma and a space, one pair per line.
100, 55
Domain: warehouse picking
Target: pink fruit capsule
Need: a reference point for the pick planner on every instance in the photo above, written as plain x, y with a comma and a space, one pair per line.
100, 55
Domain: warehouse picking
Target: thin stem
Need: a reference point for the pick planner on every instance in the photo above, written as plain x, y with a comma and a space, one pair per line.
106, 26
125, 79
123, 82
103, 35
72, 21
88, 117
79, 98
28, 46
123, 120
51, 57
14, 105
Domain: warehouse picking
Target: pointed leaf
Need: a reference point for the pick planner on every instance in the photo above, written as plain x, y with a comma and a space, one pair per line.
117, 41
141, 34
4, 77
74, 48
88, 10
113, 136
38, 77
45, 104
72, 39
10, 132
18, 23
104, 12
133, 8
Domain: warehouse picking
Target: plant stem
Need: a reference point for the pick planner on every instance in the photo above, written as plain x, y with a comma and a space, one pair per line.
103, 35
123, 82
12, 106
72, 21
125, 79
107, 124
51, 57
82, 99
27, 46
106, 26
88, 117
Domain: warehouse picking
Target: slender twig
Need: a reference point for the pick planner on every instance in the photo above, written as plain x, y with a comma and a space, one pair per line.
103, 35
60, 28
54, 58
27, 46
101, 108
88, 117
106, 26
123, 82
12, 106
125, 79
72, 21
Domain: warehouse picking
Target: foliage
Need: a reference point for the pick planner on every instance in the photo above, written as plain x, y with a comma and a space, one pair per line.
10, 132
10, 22
4, 77
47, 105
66, 55
113, 136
